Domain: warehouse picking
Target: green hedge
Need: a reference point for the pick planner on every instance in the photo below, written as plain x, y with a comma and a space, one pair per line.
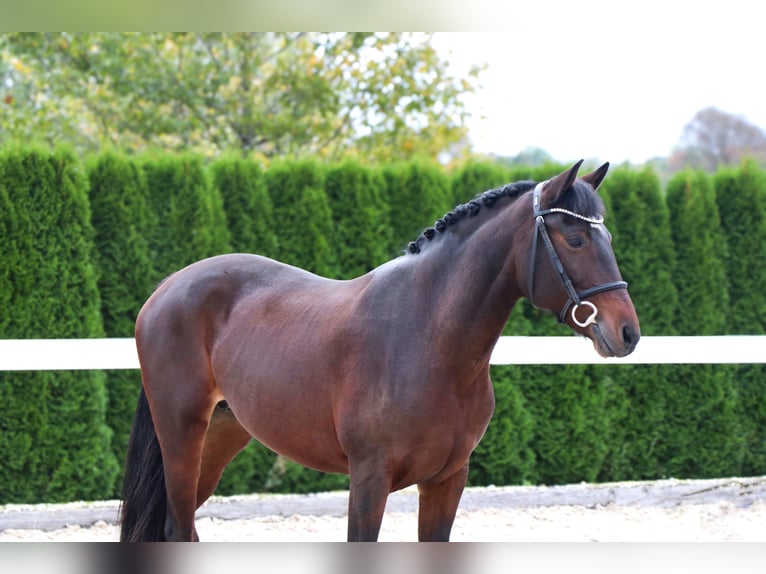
741, 201
54, 440
123, 222
247, 205
302, 216
84, 244
190, 220
639, 221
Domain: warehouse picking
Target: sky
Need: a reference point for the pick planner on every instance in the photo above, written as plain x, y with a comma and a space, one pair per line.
614, 81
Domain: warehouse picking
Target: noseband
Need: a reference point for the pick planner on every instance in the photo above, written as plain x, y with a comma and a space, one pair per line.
575, 300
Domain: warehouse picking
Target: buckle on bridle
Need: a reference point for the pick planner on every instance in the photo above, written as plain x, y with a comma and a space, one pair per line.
591, 318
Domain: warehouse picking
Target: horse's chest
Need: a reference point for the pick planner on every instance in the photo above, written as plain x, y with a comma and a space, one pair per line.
444, 431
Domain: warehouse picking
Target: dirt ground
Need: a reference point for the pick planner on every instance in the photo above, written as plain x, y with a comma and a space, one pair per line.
732, 509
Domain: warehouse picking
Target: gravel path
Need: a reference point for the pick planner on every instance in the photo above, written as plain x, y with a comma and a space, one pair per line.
667, 510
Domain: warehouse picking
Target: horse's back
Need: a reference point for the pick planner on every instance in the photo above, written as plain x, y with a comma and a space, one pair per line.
182, 320
207, 290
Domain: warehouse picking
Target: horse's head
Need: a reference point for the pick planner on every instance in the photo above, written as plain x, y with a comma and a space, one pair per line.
572, 271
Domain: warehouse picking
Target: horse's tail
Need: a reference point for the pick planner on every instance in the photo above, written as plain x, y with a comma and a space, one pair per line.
144, 498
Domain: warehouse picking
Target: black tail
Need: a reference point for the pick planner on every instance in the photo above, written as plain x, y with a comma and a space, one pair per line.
144, 499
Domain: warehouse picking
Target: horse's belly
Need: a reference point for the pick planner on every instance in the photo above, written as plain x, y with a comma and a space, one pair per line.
298, 426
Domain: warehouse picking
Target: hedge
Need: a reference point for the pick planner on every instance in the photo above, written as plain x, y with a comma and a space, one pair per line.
123, 221
638, 218
54, 440
247, 205
741, 201
85, 243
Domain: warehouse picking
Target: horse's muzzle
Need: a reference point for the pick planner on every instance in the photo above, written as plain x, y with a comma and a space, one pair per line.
615, 342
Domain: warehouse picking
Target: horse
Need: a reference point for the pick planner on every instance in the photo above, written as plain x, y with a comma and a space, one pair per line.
384, 377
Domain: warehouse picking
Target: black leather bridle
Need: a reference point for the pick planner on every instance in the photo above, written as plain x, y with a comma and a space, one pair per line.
576, 298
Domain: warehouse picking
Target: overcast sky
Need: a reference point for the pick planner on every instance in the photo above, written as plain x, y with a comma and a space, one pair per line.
613, 80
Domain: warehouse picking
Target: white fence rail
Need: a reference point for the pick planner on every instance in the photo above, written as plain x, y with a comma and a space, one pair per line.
102, 354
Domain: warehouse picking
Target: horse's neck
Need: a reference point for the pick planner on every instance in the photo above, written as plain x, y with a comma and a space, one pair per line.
476, 286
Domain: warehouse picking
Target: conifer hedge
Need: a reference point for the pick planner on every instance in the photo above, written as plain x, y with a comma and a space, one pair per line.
123, 222
638, 218
704, 433
54, 439
247, 205
81, 254
191, 223
741, 201
418, 194
302, 216
360, 218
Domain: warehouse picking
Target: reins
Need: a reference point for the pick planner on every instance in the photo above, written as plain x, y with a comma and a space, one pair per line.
576, 298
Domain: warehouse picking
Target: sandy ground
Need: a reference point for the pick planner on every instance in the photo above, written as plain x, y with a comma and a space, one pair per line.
732, 509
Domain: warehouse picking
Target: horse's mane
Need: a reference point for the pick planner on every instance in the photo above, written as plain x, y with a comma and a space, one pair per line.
470, 209
582, 201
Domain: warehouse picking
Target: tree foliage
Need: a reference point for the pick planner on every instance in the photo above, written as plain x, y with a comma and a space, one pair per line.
504, 455
249, 213
54, 440
638, 219
714, 138
122, 221
691, 257
191, 223
701, 405
375, 96
360, 217
302, 215
741, 200
418, 193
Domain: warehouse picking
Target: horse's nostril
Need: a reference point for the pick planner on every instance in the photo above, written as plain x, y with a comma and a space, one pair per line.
629, 336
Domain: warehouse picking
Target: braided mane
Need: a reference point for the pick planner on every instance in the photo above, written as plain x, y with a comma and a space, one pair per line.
583, 200
470, 209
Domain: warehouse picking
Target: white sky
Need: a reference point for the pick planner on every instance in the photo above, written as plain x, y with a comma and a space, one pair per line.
616, 81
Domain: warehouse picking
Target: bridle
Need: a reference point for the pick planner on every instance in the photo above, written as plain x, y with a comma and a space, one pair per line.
575, 300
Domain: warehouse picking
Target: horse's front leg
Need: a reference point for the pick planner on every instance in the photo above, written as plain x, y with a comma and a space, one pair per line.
368, 492
437, 506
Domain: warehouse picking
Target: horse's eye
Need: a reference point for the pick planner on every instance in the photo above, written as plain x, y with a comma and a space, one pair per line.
575, 241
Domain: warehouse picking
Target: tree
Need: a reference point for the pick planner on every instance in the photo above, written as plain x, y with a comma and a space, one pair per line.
702, 403
418, 193
360, 217
638, 219
504, 455
302, 215
54, 441
700, 246
475, 177
189, 210
241, 184
29, 110
715, 138
376, 96
122, 220
741, 200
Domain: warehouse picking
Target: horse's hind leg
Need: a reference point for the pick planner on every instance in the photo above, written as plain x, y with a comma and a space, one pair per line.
437, 507
182, 397
225, 438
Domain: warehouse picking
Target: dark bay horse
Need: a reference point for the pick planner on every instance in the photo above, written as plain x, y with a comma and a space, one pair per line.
384, 377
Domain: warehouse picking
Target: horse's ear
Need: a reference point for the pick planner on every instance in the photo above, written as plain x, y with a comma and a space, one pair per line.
595, 177
552, 190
